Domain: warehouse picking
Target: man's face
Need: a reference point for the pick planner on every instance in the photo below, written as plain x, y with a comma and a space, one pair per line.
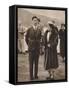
35, 21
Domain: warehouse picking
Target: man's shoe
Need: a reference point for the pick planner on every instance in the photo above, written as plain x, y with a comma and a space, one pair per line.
36, 77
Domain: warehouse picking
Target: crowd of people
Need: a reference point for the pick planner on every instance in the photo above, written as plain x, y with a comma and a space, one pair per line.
37, 41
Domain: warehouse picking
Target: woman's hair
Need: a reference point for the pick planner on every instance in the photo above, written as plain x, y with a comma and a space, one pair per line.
51, 26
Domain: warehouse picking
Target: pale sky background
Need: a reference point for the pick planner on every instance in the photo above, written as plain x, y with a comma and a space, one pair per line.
60, 15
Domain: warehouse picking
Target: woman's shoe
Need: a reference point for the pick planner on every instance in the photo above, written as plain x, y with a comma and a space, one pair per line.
52, 77
48, 78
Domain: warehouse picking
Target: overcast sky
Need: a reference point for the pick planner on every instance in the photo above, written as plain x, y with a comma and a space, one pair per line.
49, 13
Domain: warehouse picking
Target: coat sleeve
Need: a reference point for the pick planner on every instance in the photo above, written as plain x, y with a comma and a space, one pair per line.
27, 36
60, 34
45, 39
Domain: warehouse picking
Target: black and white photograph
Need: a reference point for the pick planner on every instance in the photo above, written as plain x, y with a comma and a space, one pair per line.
41, 44
34, 45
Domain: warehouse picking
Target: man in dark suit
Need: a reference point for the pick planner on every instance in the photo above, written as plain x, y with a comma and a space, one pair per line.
33, 37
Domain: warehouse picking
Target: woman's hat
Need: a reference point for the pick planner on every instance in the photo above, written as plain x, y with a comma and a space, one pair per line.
50, 22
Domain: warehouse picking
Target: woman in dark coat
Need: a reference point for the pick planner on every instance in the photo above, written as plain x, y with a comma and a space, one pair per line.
51, 41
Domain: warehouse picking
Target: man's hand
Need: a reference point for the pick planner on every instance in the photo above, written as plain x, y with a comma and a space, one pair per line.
48, 45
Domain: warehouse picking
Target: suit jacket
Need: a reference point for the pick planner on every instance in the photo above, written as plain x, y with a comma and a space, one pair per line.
33, 38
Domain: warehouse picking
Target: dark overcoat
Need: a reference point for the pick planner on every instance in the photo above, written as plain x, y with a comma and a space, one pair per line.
51, 60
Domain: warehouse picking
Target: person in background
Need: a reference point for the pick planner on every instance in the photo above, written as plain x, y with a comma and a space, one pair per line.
50, 42
62, 41
33, 37
24, 44
20, 37
55, 26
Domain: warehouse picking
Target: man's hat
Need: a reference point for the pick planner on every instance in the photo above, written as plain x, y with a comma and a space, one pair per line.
36, 18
